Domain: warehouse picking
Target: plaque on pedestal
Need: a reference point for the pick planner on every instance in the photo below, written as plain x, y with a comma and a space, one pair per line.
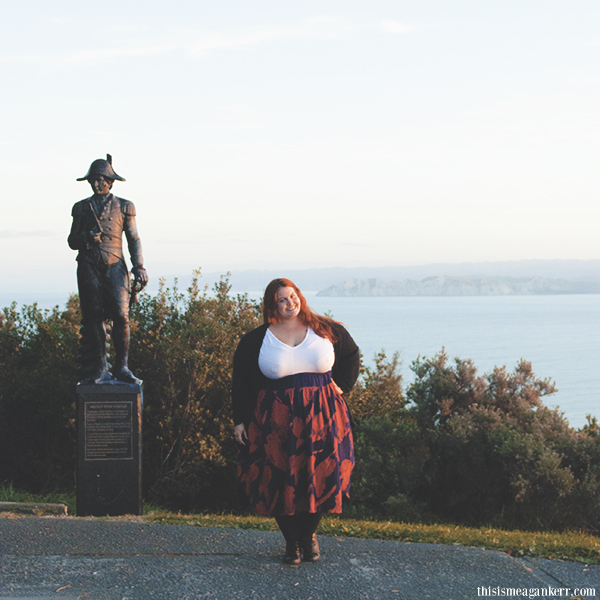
109, 449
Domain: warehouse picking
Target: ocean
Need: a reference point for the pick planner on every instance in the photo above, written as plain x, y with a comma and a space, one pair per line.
559, 335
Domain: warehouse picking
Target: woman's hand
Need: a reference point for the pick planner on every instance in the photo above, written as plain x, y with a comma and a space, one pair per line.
240, 434
338, 389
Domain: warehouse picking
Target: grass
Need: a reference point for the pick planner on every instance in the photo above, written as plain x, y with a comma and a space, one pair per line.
572, 545
9, 494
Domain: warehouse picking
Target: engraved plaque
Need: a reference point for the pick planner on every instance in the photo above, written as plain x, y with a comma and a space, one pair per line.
108, 430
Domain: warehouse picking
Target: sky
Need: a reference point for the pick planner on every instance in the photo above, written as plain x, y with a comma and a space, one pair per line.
277, 134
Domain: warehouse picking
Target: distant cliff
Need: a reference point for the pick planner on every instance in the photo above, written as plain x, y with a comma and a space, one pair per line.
313, 279
461, 286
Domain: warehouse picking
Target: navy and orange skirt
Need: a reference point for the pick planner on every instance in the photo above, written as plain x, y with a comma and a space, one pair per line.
300, 453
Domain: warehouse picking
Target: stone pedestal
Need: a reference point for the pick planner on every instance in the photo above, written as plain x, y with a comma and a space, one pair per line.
109, 449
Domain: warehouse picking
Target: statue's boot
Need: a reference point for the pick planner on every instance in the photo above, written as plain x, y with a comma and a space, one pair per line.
121, 341
103, 376
126, 376
99, 375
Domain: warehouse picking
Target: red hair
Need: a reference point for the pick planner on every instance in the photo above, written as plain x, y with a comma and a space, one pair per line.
321, 325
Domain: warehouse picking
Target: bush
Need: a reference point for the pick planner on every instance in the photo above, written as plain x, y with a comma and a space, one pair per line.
497, 454
378, 390
182, 347
389, 464
457, 446
38, 366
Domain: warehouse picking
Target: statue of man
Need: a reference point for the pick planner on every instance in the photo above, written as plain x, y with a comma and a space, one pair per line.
102, 275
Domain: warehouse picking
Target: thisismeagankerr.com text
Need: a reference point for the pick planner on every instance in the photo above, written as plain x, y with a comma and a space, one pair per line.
543, 592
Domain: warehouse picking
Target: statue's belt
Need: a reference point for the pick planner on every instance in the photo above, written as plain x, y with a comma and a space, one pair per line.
109, 252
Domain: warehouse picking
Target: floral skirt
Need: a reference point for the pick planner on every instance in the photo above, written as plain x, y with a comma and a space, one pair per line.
300, 452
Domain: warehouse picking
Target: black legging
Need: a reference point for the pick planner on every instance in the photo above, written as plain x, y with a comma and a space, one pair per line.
299, 526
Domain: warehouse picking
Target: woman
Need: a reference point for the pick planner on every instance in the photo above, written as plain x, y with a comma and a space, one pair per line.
292, 424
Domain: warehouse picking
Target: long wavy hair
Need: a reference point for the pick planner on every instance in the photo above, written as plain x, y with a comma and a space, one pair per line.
321, 325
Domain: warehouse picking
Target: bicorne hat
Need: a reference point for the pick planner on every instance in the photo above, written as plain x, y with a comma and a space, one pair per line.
102, 167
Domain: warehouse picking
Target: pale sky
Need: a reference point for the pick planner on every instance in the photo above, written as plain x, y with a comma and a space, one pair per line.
280, 134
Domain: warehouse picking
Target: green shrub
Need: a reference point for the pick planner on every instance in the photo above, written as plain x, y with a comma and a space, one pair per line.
38, 365
497, 454
378, 390
389, 466
455, 447
182, 347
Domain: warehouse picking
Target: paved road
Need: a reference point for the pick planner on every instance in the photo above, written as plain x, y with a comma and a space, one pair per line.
43, 558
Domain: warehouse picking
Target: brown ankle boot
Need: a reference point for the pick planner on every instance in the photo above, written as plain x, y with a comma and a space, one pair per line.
289, 527
292, 553
310, 548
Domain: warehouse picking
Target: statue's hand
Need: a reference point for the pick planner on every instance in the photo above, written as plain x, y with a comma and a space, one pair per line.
141, 277
93, 237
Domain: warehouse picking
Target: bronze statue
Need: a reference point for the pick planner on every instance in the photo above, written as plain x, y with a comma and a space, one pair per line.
102, 275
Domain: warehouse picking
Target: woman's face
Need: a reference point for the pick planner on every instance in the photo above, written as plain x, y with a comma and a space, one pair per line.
287, 303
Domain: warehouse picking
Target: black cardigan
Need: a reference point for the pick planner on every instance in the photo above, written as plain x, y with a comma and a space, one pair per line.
248, 379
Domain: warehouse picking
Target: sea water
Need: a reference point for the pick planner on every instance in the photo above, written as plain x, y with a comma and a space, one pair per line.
559, 335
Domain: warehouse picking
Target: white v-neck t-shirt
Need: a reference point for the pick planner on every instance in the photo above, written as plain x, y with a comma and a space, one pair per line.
313, 354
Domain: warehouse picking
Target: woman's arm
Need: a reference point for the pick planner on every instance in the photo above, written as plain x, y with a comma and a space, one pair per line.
347, 360
246, 375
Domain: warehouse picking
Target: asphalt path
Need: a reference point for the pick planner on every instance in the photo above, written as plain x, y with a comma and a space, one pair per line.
76, 558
